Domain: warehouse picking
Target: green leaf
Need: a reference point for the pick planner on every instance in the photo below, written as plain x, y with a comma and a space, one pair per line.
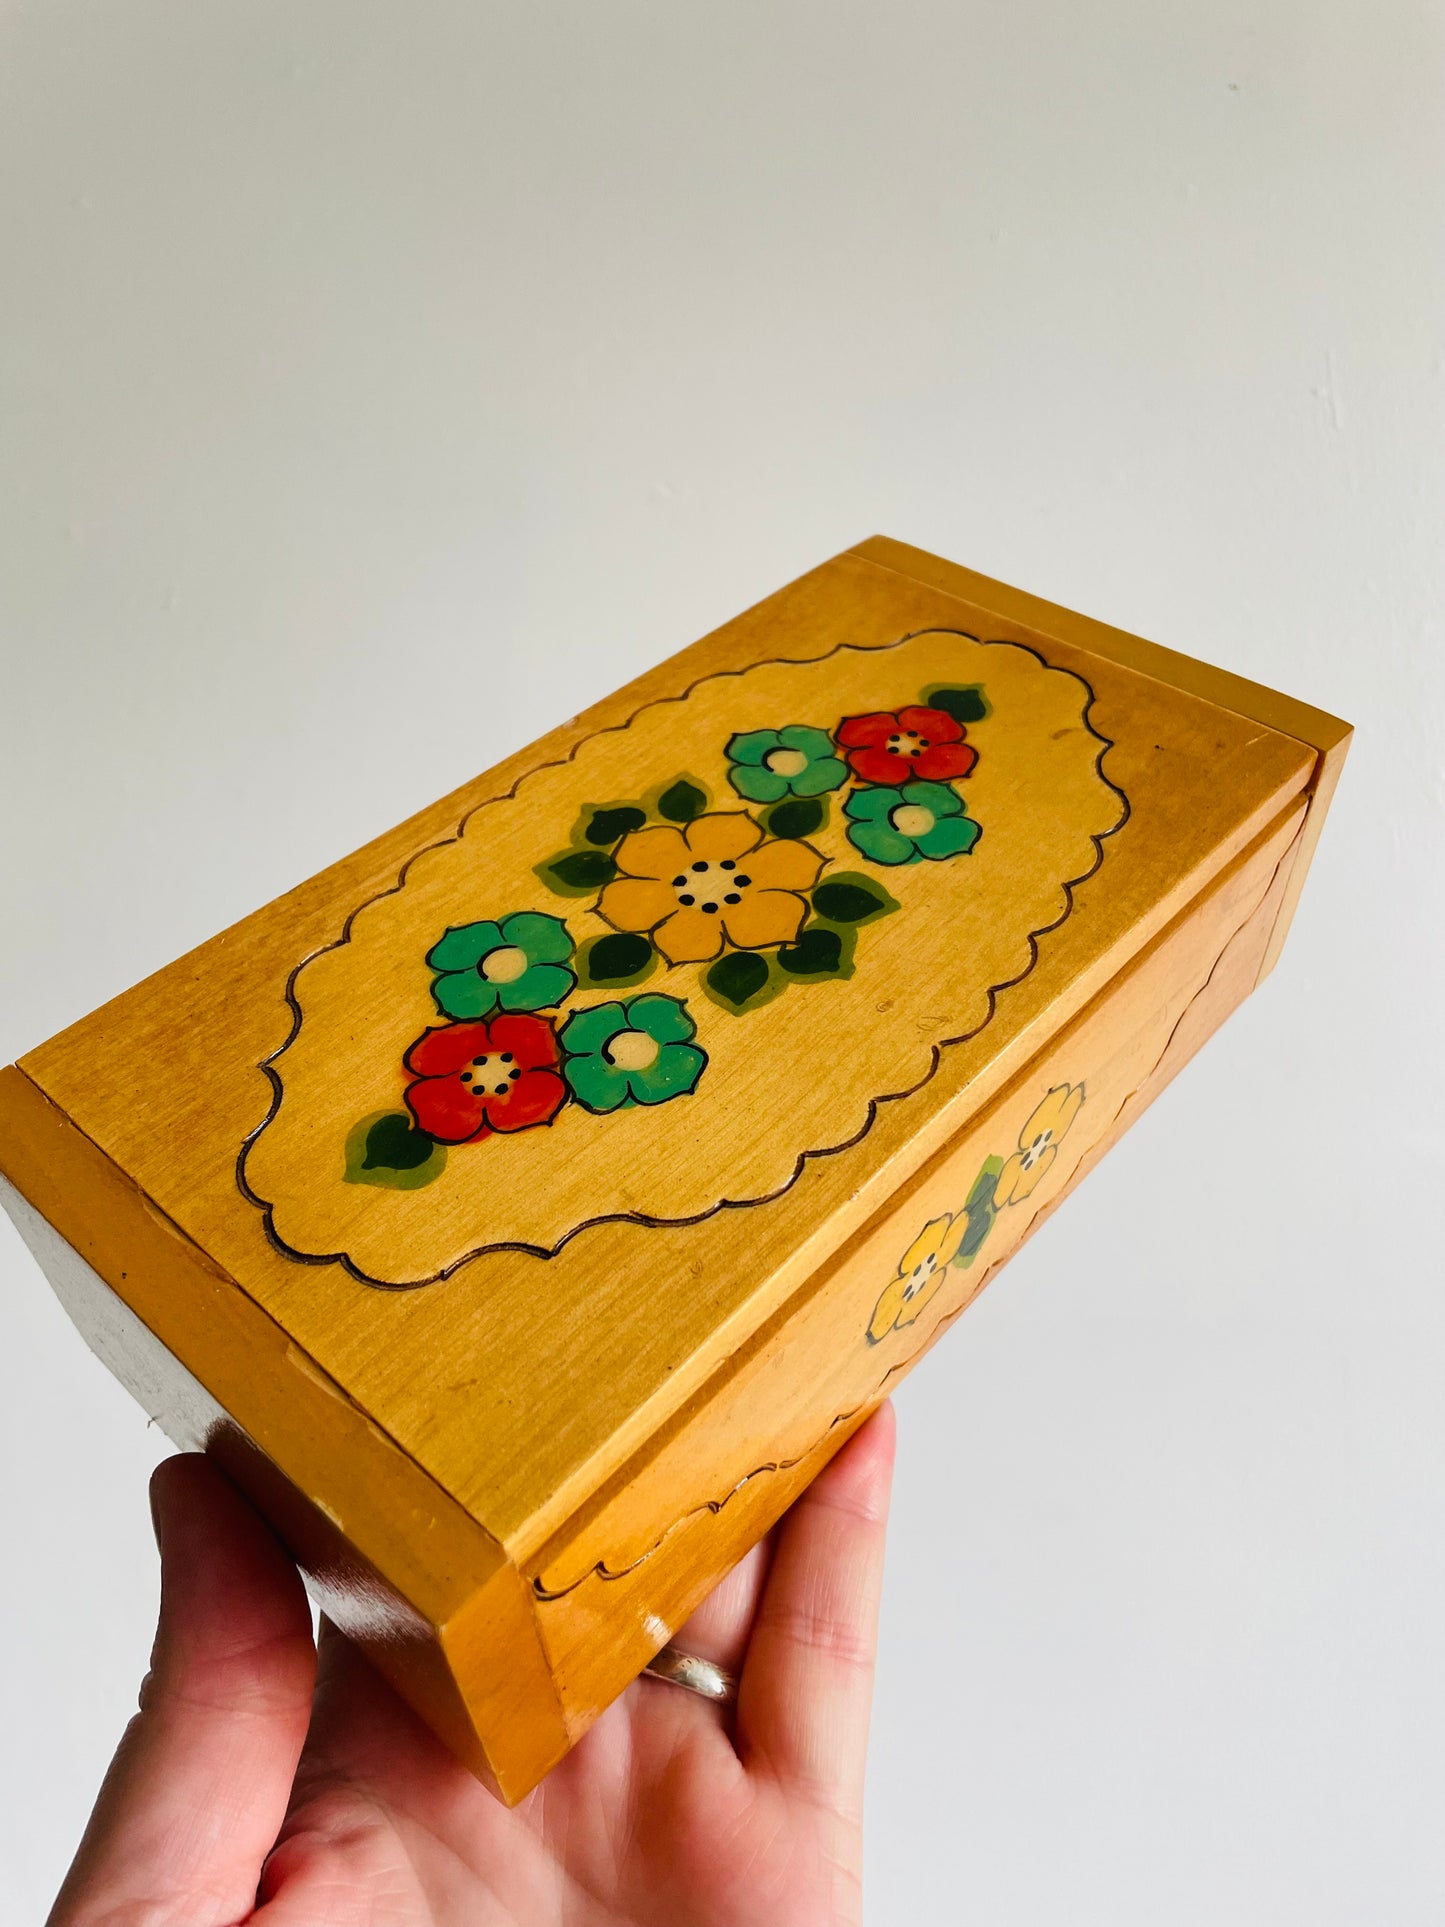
983, 1184
817, 953
615, 959
387, 1149
964, 705
800, 816
739, 975
609, 826
849, 902
394, 1143
980, 1212
582, 869
980, 1223
682, 801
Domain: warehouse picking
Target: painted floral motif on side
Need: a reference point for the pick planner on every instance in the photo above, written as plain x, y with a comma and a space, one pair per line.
676, 881
957, 1237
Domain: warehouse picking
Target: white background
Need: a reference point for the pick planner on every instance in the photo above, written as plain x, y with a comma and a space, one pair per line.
384, 382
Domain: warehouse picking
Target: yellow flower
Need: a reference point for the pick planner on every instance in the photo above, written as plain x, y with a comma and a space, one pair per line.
920, 1273
716, 880
1038, 1144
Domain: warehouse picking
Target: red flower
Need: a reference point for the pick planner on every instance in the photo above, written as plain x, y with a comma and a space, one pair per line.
916, 742
473, 1079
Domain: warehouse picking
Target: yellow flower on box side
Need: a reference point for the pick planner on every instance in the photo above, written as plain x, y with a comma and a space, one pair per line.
1038, 1144
920, 1273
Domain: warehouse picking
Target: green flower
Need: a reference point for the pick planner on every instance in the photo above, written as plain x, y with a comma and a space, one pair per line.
769, 763
902, 825
633, 1053
517, 964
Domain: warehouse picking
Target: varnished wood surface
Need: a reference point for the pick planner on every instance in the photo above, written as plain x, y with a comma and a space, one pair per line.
982, 597
586, 1354
538, 1464
768, 1094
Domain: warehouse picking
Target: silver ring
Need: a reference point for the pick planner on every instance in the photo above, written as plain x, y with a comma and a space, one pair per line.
693, 1673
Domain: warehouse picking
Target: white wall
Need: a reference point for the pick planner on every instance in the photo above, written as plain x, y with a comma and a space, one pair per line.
384, 382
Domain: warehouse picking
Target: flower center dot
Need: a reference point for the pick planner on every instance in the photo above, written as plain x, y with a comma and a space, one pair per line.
631, 1050
911, 819
904, 743
708, 886
920, 1275
786, 762
504, 966
494, 1071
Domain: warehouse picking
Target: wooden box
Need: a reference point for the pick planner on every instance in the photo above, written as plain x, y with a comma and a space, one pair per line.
525, 1209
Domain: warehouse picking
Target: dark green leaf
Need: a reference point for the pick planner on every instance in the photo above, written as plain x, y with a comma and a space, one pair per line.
799, 816
386, 1148
846, 902
583, 869
980, 1223
981, 1195
394, 1143
817, 953
622, 955
607, 826
964, 705
737, 976
682, 801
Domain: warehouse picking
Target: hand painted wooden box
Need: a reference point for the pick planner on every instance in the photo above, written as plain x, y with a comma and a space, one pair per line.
570, 1171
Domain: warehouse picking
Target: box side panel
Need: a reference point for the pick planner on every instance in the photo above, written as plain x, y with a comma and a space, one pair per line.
388, 1557
614, 1587
1321, 793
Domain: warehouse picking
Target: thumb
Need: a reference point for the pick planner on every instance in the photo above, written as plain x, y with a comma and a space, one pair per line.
197, 1791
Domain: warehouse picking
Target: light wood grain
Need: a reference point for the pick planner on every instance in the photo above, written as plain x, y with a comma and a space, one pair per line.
961, 928
588, 1353
532, 1417
1011, 611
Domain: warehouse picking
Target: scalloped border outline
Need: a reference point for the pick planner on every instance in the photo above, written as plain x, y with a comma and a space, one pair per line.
267, 1064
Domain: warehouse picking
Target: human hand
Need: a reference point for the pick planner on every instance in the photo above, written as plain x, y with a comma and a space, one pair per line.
264, 1783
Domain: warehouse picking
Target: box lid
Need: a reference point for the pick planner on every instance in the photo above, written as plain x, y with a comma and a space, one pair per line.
519, 1120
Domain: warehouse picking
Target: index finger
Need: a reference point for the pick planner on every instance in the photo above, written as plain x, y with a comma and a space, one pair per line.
807, 1683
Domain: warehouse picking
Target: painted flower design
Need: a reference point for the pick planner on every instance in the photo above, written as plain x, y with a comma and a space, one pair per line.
1038, 1144
903, 825
920, 1273
717, 881
765, 764
891, 747
640, 1052
517, 964
473, 1079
